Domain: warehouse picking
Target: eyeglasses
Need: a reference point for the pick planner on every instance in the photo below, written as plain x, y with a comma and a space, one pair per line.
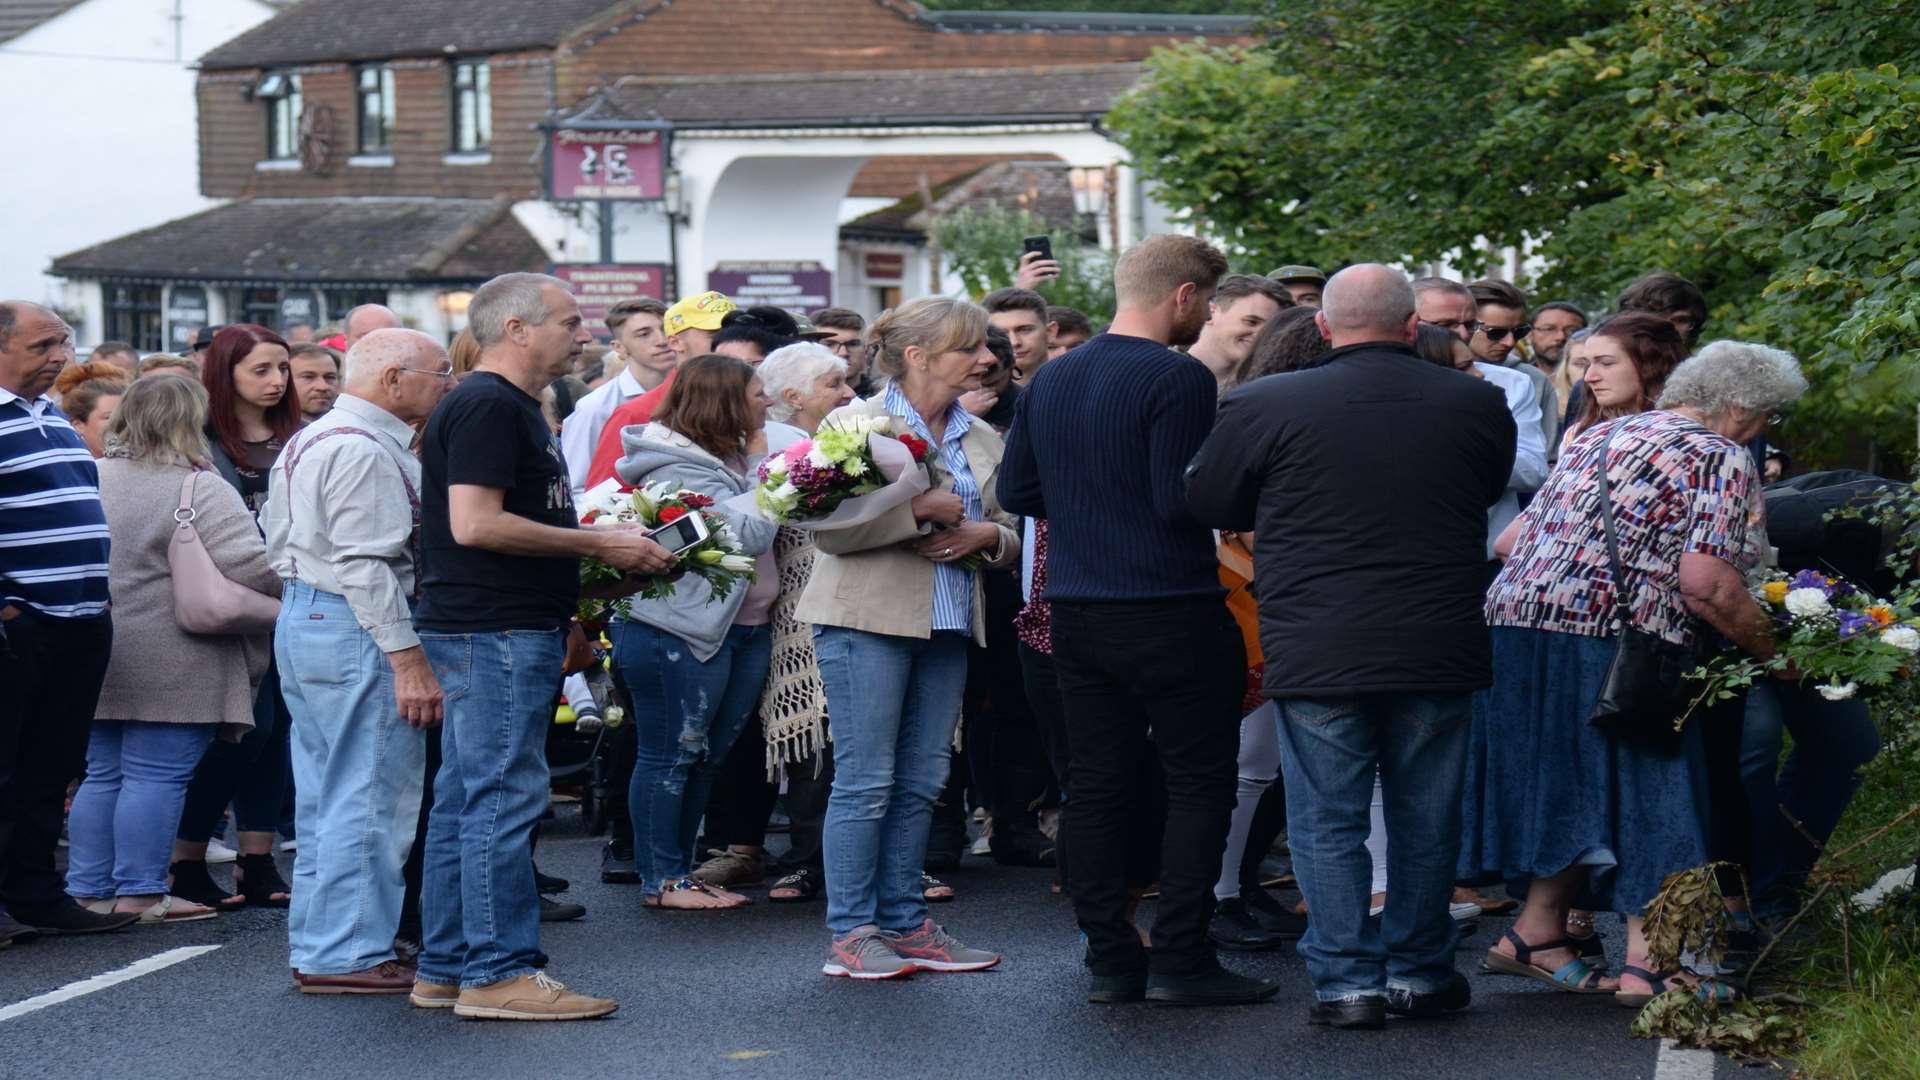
1449, 325
1776, 418
1495, 333
444, 373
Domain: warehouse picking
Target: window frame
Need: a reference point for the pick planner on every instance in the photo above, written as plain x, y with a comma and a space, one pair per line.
383, 92
140, 318
470, 79
283, 119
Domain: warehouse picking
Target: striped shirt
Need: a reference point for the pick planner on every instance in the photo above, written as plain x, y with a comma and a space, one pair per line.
952, 586
53, 531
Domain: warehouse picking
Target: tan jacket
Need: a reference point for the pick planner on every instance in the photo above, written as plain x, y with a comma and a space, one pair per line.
868, 577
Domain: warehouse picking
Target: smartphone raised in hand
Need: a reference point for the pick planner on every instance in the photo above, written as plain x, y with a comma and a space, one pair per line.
1041, 244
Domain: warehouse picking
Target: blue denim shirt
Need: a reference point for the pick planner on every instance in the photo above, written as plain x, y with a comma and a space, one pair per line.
952, 586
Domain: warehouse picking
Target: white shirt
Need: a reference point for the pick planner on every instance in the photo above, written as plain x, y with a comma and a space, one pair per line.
344, 522
1530, 446
580, 431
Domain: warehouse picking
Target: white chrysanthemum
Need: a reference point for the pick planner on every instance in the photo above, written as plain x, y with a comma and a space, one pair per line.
1808, 602
1838, 691
1902, 637
854, 466
819, 459
786, 492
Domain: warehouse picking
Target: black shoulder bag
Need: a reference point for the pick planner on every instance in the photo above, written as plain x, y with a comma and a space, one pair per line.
1647, 685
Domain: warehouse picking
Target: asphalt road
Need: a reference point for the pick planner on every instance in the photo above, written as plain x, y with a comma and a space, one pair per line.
740, 994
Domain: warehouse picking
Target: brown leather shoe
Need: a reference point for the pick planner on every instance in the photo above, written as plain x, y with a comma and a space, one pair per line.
433, 995
391, 977
533, 996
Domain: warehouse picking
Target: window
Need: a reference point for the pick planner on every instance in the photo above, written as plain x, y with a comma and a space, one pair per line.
472, 106
281, 92
375, 89
135, 314
341, 301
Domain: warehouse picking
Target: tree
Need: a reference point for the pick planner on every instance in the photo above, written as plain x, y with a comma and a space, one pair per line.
980, 244
1768, 150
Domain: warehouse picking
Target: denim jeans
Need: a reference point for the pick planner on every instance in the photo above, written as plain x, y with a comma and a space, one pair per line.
895, 702
123, 819
357, 781
50, 675
480, 914
686, 714
1832, 740
250, 774
1329, 750
1146, 681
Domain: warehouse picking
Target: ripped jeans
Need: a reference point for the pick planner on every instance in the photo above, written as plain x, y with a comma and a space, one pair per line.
686, 715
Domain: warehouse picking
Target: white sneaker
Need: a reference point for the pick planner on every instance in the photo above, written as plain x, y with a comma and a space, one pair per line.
218, 852
1463, 912
983, 846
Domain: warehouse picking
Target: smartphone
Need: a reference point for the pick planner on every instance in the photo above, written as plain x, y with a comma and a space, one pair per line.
681, 533
1041, 244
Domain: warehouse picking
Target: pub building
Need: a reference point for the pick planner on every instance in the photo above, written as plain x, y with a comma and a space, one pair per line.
404, 151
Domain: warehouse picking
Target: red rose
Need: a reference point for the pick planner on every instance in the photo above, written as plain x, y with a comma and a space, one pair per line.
916, 446
591, 515
695, 500
671, 514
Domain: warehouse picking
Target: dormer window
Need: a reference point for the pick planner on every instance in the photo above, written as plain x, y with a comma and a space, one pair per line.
472, 107
279, 91
375, 91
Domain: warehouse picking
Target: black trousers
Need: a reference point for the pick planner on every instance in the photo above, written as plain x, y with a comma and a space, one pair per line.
1004, 747
1149, 679
742, 797
50, 675
809, 783
250, 774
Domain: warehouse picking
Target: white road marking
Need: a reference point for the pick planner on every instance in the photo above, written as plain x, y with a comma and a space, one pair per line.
102, 981
1676, 1063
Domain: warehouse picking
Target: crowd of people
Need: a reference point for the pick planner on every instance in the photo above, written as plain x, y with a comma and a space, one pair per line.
1341, 559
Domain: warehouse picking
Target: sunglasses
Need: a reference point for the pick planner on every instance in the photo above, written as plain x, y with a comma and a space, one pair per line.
1495, 333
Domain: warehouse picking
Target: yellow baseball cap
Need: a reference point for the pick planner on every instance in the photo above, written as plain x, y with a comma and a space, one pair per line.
702, 312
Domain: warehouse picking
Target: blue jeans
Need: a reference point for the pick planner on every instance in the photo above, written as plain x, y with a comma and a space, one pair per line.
124, 815
1832, 740
894, 702
357, 771
1329, 749
479, 912
686, 715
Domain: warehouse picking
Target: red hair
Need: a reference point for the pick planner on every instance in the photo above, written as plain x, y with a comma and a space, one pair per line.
230, 346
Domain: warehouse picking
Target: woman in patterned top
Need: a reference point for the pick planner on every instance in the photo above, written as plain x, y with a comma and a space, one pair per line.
1569, 806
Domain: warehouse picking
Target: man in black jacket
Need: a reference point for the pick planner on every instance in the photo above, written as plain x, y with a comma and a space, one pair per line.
1366, 482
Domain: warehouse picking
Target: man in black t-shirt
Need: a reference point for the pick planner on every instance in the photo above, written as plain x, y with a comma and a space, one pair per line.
501, 578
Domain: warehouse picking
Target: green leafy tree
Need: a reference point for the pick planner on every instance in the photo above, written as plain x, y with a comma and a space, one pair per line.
980, 244
1767, 150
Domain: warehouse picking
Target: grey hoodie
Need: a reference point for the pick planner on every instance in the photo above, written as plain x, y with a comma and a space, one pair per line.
657, 454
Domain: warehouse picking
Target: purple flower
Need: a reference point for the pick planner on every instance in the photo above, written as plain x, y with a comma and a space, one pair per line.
1807, 579
1853, 623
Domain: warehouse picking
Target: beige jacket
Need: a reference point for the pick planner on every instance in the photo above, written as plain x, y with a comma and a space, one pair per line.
868, 577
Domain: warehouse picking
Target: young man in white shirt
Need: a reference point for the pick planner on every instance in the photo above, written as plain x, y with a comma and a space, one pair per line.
641, 343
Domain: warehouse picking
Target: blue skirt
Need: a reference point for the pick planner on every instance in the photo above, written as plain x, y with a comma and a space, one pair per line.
1545, 791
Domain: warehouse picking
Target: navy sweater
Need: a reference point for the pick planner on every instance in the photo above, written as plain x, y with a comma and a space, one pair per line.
1099, 447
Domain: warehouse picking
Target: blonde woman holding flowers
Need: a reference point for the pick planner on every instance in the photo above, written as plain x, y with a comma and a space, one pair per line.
893, 604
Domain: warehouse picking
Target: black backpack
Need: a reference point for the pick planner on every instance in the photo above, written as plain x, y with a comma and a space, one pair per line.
1800, 526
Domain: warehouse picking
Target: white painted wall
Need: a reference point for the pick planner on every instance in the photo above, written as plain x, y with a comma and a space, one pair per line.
101, 127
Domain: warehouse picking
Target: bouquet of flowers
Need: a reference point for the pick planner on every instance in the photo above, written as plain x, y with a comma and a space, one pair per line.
718, 558
1827, 630
849, 473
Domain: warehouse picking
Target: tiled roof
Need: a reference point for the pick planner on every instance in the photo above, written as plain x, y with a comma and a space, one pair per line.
877, 98
895, 176
322, 240
1038, 187
19, 16
317, 30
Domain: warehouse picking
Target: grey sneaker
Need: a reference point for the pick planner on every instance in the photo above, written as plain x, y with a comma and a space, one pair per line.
864, 955
931, 948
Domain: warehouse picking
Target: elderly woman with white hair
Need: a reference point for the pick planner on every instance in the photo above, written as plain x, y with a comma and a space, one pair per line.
1573, 809
805, 382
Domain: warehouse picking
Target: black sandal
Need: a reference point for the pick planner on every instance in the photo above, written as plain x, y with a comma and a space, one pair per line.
258, 880
191, 881
804, 881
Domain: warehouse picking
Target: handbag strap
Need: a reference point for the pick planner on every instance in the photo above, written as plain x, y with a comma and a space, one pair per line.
185, 513
1625, 611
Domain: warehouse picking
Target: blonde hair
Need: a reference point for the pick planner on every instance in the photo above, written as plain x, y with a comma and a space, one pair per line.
464, 352
161, 420
936, 324
1152, 269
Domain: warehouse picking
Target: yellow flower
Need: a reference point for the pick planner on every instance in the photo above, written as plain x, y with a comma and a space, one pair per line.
1775, 592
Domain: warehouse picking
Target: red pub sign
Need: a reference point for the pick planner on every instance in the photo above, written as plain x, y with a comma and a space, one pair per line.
589, 163
599, 286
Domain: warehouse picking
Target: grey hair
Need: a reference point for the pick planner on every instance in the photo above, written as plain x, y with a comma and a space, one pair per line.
795, 367
161, 419
6, 323
1441, 284
1725, 375
1367, 297
388, 347
509, 296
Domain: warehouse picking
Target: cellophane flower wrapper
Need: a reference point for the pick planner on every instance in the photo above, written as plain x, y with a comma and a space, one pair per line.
852, 471
718, 558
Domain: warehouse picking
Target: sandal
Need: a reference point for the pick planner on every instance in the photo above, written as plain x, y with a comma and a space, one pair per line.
191, 881
935, 891
1488, 904
1575, 977
687, 884
727, 869
260, 882
167, 911
804, 883
1711, 990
